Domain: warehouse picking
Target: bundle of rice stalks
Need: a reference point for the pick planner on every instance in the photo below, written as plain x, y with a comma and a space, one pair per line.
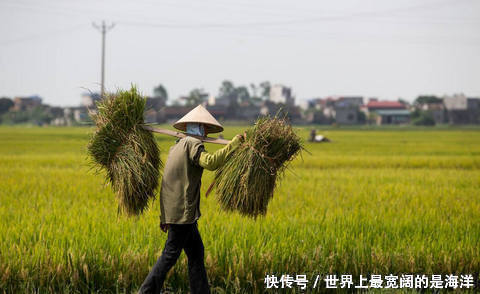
127, 152
247, 180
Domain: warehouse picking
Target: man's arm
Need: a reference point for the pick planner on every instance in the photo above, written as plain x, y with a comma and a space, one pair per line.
217, 159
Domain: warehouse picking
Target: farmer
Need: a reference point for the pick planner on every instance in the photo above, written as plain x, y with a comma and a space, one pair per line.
180, 200
313, 134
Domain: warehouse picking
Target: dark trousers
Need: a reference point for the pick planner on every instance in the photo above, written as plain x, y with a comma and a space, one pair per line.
186, 237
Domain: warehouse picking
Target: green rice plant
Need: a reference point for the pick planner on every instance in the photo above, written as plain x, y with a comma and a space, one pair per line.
127, 152
377, 201
247, 180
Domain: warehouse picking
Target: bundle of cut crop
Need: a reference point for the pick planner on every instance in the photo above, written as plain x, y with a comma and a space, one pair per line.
247, 181
125, 150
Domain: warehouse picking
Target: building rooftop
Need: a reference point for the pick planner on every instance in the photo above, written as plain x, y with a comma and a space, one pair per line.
385, 104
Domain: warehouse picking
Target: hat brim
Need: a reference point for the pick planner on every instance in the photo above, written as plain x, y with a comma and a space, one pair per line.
199, 115
210, 128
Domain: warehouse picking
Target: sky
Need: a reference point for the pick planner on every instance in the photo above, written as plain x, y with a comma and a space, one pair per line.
373, 48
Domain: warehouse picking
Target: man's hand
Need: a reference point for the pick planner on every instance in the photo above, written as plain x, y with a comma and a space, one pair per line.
164, 227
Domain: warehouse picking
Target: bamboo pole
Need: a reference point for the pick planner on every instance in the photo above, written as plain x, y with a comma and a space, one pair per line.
183, 135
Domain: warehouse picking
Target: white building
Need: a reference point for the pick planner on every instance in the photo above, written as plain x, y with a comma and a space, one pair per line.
89, 99
455, 102
281, 94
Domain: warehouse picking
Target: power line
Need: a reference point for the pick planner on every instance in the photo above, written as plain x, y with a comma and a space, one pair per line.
65, 11
308, 20
291, 21
44, 35
228, 8
369, 16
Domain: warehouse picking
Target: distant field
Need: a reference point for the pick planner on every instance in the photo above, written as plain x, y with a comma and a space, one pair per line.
371, 201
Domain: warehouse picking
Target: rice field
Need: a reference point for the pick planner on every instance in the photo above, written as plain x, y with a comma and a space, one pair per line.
372, 201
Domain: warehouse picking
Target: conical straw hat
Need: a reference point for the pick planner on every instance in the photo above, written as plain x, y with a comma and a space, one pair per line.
199, 115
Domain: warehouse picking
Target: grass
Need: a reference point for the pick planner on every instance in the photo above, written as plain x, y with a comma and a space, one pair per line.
372, 201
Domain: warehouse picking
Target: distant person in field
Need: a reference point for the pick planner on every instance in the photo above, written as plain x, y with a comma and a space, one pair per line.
313, 134
180, 200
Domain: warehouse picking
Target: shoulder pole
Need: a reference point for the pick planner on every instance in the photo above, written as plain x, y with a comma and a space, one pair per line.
183, 135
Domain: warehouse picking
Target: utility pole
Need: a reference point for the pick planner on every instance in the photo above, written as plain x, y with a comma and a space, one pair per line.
103, 28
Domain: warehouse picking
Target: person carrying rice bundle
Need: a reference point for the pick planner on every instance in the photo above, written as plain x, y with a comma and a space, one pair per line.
180, 200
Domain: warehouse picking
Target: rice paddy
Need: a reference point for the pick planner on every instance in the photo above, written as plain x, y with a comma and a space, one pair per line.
371, 201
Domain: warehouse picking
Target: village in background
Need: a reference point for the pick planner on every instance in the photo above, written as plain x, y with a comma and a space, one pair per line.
246, 104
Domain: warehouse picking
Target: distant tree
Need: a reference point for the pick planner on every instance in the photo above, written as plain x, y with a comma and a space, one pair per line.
235, 95
254, 91
403, 101
361, 117
196, 96
256, 100
415, 114
265, 90
227, 90
160, 92
38, 115
5, 104
426, 99
372, 117
424, 119
16, 117
242, 94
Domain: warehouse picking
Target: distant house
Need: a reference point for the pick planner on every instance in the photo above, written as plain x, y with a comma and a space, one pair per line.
281, 94
216, 101
75, 114
437, 110
55, 111
387, 112
346, 109
295, 114
269, 108
60, 116
59, 121
339, 109
89, 99
174, 112
150, 116
374, 104
346, 115
218, 111
349, 101
462, 109
392, 116
26, 103
315, 114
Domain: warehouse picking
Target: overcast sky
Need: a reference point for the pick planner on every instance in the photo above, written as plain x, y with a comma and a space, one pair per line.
375, 48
